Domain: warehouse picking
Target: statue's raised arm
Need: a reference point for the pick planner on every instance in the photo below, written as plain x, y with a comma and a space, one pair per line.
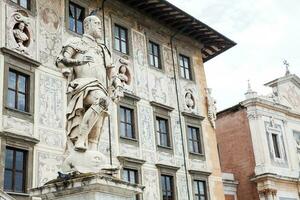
89, 63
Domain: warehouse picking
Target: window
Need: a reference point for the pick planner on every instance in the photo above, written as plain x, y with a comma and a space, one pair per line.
154, 55
76, 17
185, 67
23, 3
15, 170
162, 130
200, 184
167, 187
127, 122
163, 127
121, 39
18, 91
131, 175
276, 145
131, 170
194, 140
200, 190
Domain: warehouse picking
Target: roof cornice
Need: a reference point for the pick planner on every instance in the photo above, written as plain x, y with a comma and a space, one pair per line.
292, 77
214, 43
270, 105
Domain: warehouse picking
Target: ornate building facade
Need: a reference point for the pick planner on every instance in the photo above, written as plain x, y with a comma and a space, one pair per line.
161, 134
258, 141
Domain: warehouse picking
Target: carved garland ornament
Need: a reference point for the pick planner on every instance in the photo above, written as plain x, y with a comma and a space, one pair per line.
211, 108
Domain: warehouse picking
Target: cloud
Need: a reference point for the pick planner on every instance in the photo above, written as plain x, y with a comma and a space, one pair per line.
267, 31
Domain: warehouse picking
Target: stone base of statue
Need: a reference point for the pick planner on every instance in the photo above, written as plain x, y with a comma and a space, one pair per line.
87, 187
84, 162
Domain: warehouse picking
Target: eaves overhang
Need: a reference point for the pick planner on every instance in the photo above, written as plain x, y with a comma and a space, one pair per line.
214, 43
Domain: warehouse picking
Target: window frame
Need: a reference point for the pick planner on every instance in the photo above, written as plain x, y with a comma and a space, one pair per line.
134, 164
164, 112
191, 72
67, 14
163, 177
157, 39
168, 170
159, 132
25, 143
117, 25
14, 170
19, 4
193, 120
194, 140
131, 123
129, 101
273, 127
150, 43
31, 5
200, 176
25, 66
197, 193
278, 133
276, 145
16, 90
76, 6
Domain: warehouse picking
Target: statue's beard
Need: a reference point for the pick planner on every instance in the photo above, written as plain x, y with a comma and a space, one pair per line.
96, 35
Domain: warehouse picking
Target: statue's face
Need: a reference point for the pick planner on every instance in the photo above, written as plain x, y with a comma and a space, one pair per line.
123, 70
21, 26
95, 27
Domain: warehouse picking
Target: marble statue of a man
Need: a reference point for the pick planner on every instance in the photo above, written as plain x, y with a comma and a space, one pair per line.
90, 65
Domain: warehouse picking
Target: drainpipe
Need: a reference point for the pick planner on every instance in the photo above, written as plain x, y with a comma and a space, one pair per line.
109, 121
179, 112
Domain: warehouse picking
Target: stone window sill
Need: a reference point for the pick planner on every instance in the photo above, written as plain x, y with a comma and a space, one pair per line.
165, 147
157, 68
121, 54
18, 194
19, 111
197, 154
129, 139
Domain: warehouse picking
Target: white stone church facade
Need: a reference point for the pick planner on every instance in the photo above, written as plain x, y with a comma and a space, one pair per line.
166, 145
268, 137
275, 124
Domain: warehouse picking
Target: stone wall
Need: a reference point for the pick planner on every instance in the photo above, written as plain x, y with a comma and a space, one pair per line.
48, 28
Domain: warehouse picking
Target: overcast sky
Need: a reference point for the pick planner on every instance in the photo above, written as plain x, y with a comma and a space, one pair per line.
266, 33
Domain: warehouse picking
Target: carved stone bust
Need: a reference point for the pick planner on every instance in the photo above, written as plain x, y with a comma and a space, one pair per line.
21, 33
189, 100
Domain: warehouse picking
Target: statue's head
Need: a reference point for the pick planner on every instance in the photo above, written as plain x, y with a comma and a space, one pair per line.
189, 95
123, 69
92, 26
21, 26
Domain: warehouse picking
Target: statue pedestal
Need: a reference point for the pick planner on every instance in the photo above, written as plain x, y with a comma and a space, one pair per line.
88, 187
